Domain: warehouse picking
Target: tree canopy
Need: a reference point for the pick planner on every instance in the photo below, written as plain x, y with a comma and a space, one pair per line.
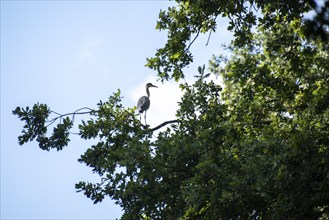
258, 147
186, 21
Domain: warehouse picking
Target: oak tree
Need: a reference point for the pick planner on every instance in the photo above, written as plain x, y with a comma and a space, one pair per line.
256, 147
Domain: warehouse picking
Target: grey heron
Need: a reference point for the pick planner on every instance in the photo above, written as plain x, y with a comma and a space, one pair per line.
144, 102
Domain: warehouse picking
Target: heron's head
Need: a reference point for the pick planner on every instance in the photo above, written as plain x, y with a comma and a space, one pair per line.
148, 85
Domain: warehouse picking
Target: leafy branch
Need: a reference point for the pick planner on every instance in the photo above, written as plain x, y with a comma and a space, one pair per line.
36, 126
60, 116
37, 123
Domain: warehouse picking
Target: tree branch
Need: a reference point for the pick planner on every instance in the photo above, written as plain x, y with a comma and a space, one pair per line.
60, 116
163, 124
190, 44
208, 38
77, 112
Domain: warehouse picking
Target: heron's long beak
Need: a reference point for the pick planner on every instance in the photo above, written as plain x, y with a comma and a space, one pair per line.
154, 86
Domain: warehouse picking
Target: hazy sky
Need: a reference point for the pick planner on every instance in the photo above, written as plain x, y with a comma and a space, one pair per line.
68, 55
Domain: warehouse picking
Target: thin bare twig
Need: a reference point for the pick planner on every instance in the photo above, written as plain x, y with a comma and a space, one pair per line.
60, 116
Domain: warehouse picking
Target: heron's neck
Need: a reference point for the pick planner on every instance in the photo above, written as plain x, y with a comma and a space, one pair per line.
148, 92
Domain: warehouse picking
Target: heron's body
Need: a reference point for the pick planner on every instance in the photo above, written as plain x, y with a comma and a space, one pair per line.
144, 102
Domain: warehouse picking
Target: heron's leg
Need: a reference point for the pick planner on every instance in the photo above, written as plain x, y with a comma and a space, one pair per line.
140, 117
145, 117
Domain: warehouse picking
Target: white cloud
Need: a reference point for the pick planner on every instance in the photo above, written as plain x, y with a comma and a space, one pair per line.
87, 55
89, 48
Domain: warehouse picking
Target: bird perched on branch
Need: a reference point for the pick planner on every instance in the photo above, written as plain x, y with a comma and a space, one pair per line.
144, 102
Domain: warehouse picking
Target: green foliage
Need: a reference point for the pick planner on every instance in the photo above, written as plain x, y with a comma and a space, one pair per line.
258, 148
190, 18
271, 91
35, 127
318, 26
35, 119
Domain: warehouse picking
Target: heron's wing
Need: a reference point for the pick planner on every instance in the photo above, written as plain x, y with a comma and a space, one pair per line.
143, 104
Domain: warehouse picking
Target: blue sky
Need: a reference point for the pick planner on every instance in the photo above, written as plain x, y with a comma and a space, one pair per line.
71, 54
